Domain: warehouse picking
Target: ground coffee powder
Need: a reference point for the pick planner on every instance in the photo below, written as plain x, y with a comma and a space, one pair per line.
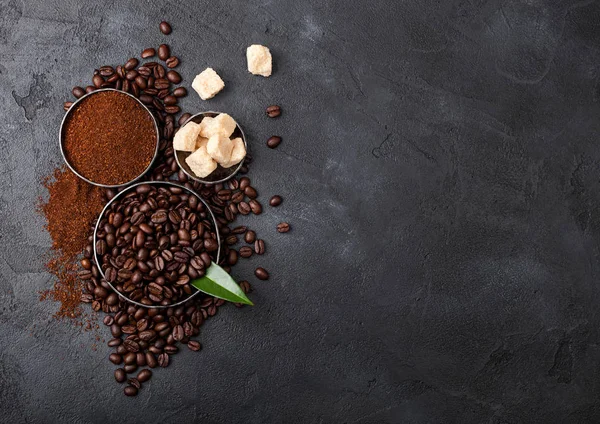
109, 138
71, 206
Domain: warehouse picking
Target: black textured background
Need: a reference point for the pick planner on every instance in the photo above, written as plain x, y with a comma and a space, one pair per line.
439, 169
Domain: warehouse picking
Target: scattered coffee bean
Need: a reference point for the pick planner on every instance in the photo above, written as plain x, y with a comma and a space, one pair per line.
120, 375
259, 247
255, 206
165, 27
194, 345
283, 227
273, 141
275, 201
130, 391
174, 77
164, 52
184, 117
261, 274
273, 111
250, 237
245, 252
78, 92
149, 52
172, 62
144, 375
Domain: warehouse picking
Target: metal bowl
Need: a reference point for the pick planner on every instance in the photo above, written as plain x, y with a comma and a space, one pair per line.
125, 192
220, 174
70, 111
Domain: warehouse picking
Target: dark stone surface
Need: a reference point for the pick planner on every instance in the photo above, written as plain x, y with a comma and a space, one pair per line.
440, 169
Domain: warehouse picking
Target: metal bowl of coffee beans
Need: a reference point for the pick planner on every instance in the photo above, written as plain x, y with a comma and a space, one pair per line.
109, 138
220, 174
152, 239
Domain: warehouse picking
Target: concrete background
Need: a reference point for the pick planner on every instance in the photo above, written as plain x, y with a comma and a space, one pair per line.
440, 169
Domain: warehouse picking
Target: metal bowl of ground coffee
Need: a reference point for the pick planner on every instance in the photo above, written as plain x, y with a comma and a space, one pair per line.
109, 138
220, 174
103, 220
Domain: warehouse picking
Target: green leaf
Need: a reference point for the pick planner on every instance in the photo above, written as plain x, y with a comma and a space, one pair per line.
218, 283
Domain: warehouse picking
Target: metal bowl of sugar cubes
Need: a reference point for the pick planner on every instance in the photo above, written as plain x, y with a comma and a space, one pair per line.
210, 147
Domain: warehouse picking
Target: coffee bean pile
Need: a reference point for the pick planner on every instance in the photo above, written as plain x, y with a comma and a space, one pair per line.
153, 241
144, 338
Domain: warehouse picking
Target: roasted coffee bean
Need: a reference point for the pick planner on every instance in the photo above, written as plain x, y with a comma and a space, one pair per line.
245, 286
250, 237
131, 346
131, 64
129, 357
174, 77
135, 383
151, 360
170, 100
275, 201
239, 230
245, 252
163, 360
120, 375
160, 84
250, 192
78, 92
97, 80
183, 118
180, 92
231, 240
165, 28
114, 342
115, 358
164, 52
194, 345
255, 206
144, 375
178, 333
283, 227
172, 62
115, 330
130, 391
130, 368
232, 257
273, 141
149, 52
244, 208
140, 357
67, 106
273, 111
259, 247
261, 273
108, 320
172, 110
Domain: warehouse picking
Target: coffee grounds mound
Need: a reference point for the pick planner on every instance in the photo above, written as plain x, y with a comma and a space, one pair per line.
109, 138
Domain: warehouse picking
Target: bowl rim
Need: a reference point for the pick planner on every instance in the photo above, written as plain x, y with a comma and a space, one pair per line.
72, 168
212, 114
128, 190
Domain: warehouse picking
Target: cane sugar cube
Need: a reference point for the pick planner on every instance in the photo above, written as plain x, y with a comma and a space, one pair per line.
204, 126
201, 163
185, 139
201, 143
259, 60
207, 84
237, 153
222, 124
219, 147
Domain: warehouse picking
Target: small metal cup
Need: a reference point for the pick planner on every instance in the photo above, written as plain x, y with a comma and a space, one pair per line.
61, 137
220, 174
124, 193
